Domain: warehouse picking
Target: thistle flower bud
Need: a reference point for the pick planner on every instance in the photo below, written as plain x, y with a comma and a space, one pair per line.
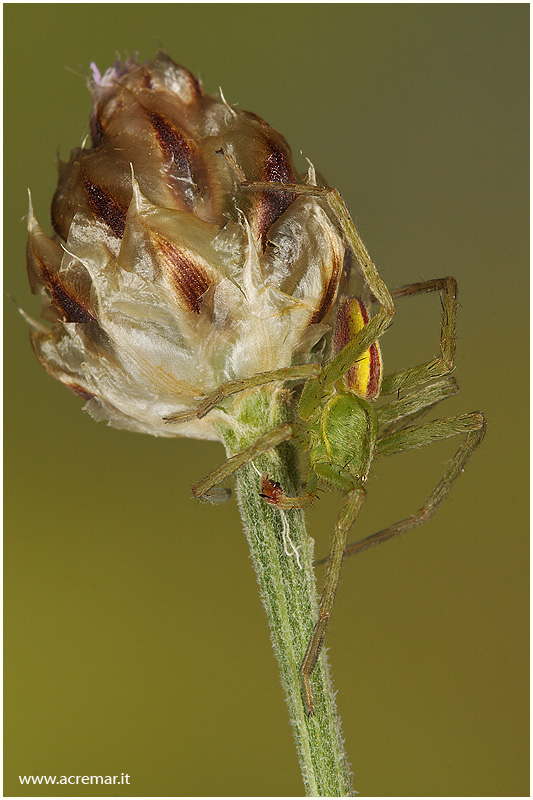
166, 277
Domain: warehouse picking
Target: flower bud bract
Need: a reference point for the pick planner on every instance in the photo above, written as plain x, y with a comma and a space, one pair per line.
165, 276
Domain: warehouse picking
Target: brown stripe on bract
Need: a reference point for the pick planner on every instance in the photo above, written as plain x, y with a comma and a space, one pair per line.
256, 117
105, 207
147, 81
73, 310
189, 279
328, 293
194, 84
80, 391
182, 151
274, 202
97, 130
348, 262
172, 142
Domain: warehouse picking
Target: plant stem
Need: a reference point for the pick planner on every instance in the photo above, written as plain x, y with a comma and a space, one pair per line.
282, 554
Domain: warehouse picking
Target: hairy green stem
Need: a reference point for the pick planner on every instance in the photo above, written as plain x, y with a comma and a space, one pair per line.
282, 555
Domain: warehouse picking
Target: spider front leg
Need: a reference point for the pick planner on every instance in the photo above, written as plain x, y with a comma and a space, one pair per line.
337, 205
313, 390
367, 334
371, 331
298, 372
344, 523
442, 365
206, 489
345, 222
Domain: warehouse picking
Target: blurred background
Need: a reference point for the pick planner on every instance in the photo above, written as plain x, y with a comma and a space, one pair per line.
135, 639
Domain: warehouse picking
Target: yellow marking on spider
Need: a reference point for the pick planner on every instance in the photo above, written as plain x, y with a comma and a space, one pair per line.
358, 377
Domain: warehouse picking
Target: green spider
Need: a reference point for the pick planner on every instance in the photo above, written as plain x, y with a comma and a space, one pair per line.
337, 423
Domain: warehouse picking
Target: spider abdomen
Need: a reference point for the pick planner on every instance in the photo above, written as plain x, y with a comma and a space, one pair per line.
364, 377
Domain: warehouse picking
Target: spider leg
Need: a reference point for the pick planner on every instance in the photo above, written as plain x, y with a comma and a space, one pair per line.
398, 414
205, 489
298, 372
440, 366
473, 425
345, 222
345, 521
313, 390
434, 431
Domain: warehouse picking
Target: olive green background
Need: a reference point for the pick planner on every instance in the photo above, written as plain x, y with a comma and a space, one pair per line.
135, 639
